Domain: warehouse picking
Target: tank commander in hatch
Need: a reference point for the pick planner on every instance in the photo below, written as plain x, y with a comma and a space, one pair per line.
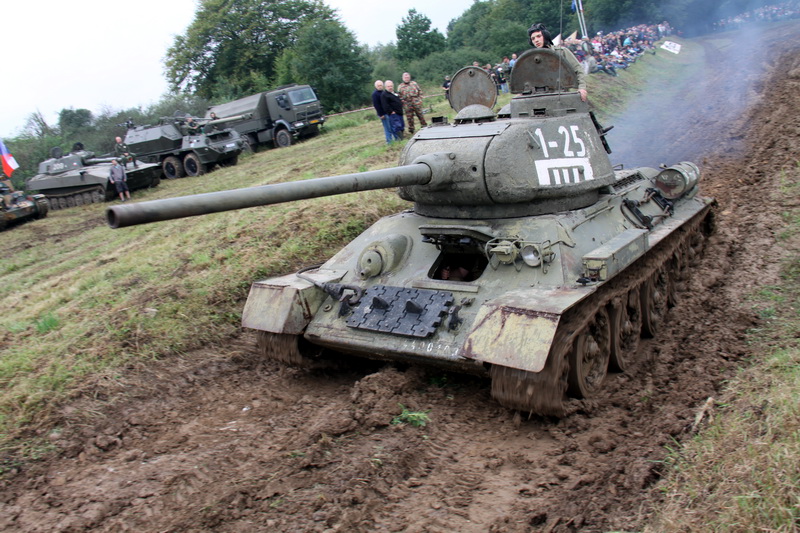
540, 38
123, 154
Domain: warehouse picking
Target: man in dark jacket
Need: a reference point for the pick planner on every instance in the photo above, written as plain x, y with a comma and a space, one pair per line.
393, 108
376, 103
116, 175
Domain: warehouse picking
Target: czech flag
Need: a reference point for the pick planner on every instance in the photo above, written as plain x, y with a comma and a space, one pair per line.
9, 163
574, 6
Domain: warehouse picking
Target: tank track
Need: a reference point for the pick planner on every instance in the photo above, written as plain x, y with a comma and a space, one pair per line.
545, 392
93, 195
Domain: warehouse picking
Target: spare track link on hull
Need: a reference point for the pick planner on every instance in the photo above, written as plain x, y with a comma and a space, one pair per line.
545, 392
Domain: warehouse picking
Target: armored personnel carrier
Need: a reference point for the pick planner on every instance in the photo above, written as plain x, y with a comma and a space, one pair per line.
182, 149
16, 206
526, 256
79, 178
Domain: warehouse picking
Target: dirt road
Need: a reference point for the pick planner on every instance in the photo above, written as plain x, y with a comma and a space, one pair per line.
222, 441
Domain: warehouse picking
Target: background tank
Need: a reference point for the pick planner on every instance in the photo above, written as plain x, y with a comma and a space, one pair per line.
16, 206
79, 178
527, 257
183, 150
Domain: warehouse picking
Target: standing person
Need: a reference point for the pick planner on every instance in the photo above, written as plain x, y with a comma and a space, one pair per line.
378, 105
540, 38
123, 154
411, 96
393, 108
446, 87
117, 176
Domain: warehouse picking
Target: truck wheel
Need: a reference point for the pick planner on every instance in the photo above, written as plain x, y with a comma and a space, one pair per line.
283, 139
193, 166
173, 168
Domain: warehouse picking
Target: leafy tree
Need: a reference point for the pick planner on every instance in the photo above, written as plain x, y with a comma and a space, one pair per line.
72, 122
327, 56
434, 67
230, 40
415, 39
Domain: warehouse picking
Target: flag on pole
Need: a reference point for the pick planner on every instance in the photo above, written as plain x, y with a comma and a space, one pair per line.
574, 5
9, 163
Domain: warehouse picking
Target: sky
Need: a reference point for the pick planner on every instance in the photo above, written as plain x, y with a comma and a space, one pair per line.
96, 54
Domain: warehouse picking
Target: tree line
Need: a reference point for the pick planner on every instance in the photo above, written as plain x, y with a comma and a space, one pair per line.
234, 48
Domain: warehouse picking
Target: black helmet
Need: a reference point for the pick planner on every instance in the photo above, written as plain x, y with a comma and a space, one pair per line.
548, 39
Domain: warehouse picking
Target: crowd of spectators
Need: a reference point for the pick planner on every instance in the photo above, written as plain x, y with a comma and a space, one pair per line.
772, 13
605, 52
610, 52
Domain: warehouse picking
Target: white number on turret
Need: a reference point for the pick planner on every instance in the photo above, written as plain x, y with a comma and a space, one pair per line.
573, 167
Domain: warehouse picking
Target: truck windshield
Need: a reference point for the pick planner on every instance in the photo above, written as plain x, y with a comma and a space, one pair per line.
302, 96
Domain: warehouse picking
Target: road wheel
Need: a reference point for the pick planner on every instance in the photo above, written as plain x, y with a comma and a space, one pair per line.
172, 167
71, 201
97, 196
626, 329
283, 139
249, 144
62, 203
588, 360
53, 203
87, 198
193, 166
655, 301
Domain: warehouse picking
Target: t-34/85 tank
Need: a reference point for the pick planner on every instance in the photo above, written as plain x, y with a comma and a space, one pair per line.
526, 256
79, 178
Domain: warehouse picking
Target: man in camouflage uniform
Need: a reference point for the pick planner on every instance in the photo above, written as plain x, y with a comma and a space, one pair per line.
123, 154
411, 96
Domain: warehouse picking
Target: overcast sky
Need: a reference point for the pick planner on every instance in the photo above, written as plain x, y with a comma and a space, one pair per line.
93, 54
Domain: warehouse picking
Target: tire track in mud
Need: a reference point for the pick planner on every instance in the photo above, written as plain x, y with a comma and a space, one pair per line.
221, 441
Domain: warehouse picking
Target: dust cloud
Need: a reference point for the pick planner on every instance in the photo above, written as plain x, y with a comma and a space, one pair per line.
678, 111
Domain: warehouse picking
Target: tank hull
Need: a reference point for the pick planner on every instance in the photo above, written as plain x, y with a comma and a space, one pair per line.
22, 209
512, 321
90, 184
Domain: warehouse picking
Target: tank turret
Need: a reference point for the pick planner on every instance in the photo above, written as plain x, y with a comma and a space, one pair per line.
79, 177
526, 257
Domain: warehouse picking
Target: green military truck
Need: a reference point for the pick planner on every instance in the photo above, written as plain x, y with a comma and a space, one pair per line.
276, 116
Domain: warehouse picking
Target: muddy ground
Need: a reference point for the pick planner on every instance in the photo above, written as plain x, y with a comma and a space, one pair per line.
223, 441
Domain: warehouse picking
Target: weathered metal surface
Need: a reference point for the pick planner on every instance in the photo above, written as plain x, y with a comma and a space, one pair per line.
286, 304
606, 261
470, 86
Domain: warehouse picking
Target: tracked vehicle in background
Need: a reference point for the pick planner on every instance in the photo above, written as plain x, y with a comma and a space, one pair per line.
79, 178
526, 256
16, 206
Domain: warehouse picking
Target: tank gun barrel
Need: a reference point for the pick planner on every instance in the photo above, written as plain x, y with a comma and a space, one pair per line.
120, 216
243, 116
96, 160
